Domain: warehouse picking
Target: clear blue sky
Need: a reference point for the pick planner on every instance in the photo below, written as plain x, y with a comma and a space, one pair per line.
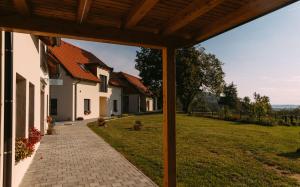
261, 56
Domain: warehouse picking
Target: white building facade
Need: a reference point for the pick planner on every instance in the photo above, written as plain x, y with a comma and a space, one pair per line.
87, 91
30, 98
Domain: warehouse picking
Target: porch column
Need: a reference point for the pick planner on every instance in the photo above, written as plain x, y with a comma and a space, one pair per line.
8, 109
169, 115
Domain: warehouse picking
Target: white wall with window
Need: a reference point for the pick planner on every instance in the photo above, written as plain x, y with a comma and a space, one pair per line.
62, 98
115, 102
104, 90
87, 101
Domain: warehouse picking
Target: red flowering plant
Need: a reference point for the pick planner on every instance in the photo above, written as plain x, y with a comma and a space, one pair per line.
34, 135
23, 149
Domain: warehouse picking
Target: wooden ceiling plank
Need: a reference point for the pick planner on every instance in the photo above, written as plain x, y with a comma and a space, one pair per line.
254, 9
68, 29
246, 13
83, 10
138, 12
195, 10
22, 7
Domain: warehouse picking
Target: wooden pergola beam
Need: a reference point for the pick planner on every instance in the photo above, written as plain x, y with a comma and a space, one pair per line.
68, 29
22, 7
237, 18
138, 12
195, 10
169, 116
83, 10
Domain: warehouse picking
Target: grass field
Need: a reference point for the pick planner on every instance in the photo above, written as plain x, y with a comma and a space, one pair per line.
210, 152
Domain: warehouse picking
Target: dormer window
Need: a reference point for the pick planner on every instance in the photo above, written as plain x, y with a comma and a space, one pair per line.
82, 66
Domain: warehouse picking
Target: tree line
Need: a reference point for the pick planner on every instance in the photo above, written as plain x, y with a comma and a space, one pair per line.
201, 87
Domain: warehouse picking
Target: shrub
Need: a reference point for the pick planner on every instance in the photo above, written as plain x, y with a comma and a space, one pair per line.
101, 122
50, 129
283, 122
23, 149
79, 118
34, 135
137, 125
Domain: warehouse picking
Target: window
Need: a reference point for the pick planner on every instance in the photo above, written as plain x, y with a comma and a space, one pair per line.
115, 106
82, 66
103, 83
53, 107
86, 105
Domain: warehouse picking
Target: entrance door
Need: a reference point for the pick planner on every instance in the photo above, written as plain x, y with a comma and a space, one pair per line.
42, 112
103, 107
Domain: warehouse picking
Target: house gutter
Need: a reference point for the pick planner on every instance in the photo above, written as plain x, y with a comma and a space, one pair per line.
75, 99
8, 109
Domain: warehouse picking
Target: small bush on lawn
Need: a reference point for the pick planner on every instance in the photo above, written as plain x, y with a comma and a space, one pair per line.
23, 149
34, 135
101, 122
137, 125
79, 119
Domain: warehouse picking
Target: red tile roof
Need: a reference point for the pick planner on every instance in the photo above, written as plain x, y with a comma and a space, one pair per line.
117, 79
71, 57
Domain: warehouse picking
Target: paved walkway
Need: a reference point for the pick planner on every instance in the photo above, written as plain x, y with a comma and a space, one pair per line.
76, 156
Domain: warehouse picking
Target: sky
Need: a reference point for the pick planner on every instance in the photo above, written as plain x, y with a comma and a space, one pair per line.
261, 56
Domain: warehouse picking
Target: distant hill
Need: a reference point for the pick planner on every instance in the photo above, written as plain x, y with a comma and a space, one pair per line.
289, 107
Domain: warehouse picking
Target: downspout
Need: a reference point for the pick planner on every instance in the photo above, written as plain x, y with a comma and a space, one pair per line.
75, 99
8, 109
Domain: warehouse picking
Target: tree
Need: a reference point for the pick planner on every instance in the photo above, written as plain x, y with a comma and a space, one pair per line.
196, 71
149, 63
229, 99
246, 105
261, 106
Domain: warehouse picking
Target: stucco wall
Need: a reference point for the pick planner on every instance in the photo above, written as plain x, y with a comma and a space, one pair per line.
116, 94
151, 103
65, 99
79, 89
88, 90
26, 62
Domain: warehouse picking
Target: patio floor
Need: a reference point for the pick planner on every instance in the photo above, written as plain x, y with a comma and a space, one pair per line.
75, 156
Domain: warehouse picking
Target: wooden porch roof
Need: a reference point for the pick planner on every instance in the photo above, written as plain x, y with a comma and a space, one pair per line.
151, 23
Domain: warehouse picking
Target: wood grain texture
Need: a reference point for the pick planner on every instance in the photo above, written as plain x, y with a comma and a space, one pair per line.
69, 29
83, 10
169, 117
139, 11
189, 14
248, 12
22, 7
155, 23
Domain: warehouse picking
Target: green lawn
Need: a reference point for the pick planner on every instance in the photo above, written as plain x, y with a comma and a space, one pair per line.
210, 152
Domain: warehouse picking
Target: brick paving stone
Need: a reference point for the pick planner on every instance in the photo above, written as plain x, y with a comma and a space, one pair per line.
76, 156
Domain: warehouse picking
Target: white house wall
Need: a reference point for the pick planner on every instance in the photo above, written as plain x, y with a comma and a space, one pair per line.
151, 103
65, 99
26, 62
116, 94
88, 90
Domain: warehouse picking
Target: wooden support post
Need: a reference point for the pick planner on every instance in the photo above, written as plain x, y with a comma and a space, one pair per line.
169, 114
